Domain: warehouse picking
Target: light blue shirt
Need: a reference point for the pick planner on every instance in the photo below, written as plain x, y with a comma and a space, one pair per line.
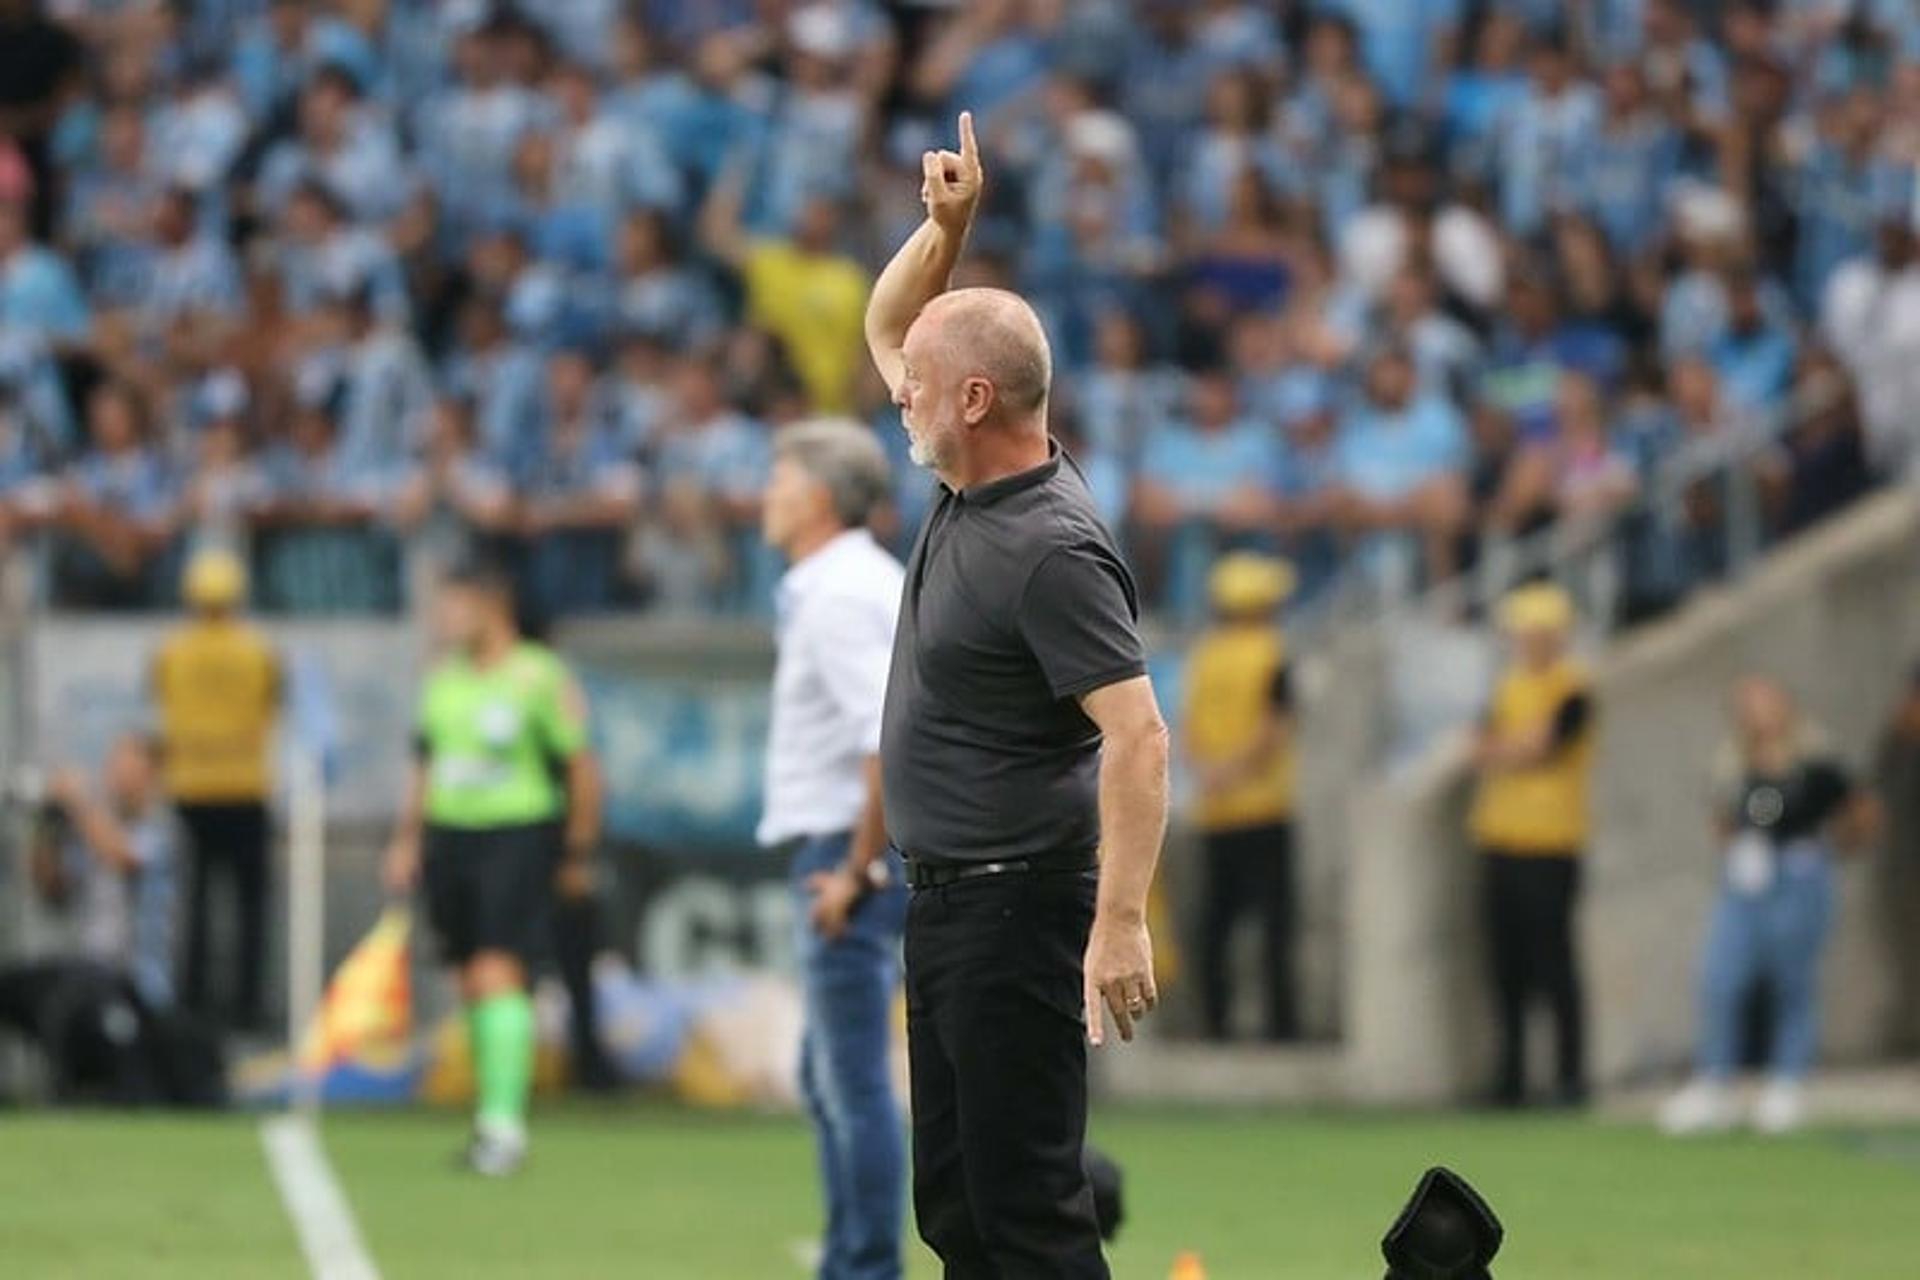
38, 293
1385, 455
1202, 467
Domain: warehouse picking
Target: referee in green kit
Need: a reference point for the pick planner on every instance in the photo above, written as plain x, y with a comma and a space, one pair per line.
503, 803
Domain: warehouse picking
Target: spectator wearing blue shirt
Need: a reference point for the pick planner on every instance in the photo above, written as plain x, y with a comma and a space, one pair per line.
1533, 346
1406, 43
115, 518
577, 499
318, 255
198, 136
324, 542
456, 504
699, 113
1542, 141
712, 465
1754, 357
560, 225
1628, 164
108, 202
466, 133
1480, 96
1163, 88
38, 291
654, 291
1122, 396
1845, 187
385, 390
808, 140
225, 487
501, 378
1446, 355
1401, 462
1238, 136
342, 143
1205, 484
604, 162
1308, 485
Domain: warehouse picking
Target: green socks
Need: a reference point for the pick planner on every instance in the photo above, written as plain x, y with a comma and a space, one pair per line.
501, 1031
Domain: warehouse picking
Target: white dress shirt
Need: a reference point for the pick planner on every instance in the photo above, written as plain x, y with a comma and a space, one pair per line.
836, 611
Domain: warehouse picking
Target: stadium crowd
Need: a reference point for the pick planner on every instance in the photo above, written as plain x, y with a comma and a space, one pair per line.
1376, 283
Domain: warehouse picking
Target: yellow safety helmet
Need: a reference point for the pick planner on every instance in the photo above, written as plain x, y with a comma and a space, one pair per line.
1248, 582
1541, 606
215, 579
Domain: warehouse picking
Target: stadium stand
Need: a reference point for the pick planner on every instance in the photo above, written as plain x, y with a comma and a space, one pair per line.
1386, 286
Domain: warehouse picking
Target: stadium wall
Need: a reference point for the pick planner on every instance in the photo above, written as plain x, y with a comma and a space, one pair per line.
1835, 616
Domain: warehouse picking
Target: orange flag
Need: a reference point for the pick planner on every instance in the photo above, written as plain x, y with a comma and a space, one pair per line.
367, 1012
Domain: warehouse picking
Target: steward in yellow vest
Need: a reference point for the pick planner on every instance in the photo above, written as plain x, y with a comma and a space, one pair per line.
1238, 733
1530, 821
216, 684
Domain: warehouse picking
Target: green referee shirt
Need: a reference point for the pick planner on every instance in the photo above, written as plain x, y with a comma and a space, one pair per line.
492, 739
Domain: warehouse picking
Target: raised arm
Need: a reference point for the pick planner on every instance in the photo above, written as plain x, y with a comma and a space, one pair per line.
918, 273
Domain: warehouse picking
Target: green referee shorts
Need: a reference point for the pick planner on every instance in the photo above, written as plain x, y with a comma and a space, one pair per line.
491, 890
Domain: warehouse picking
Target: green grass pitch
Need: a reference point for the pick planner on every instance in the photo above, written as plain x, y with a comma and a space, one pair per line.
667, 1194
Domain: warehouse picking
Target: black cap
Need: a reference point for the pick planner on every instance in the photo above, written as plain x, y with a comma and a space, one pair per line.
1446, 1232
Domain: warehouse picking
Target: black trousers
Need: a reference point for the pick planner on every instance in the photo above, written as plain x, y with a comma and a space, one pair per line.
1249, 871
998, 1051
1530, 901
229, 843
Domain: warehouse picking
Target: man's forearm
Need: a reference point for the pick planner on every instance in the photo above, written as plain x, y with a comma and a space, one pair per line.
583, 805
917, 275
870, 832
1133, 821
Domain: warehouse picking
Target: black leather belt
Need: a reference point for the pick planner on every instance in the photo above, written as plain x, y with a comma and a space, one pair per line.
931, 873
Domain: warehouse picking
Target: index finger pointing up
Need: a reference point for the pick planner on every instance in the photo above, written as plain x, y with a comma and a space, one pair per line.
969, 146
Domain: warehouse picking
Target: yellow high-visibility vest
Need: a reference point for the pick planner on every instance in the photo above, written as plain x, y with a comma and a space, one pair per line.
1229, 695
217, 685
1542, 809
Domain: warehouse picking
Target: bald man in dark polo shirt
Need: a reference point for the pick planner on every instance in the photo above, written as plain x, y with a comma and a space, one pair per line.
1024, 763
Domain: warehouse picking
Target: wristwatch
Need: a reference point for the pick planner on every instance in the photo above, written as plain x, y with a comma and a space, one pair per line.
873, 877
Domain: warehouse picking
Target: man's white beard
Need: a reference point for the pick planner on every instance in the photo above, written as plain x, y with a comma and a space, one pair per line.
921, 450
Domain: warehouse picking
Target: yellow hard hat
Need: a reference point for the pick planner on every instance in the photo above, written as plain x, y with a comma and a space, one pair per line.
1248, 582
1542, 606
216, 579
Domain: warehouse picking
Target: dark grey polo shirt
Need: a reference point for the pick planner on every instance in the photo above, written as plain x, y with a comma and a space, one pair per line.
1016, 604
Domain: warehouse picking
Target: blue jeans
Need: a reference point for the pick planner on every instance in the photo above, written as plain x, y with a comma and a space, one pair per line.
845, 1077
1777, 934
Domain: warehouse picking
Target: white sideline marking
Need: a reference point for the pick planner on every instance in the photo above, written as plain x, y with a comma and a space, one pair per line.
328, 1236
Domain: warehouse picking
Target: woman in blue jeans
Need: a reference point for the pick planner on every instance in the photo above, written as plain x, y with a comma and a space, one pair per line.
1784, 804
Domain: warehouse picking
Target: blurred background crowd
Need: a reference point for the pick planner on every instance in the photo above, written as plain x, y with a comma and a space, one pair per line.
1385, 285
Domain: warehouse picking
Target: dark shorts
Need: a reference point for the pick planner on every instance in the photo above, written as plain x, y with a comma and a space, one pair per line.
491, 890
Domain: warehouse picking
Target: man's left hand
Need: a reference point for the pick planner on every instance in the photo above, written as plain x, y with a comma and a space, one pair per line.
1119, 974
835, 894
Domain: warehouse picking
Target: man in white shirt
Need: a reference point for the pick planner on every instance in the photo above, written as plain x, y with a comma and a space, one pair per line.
837, 606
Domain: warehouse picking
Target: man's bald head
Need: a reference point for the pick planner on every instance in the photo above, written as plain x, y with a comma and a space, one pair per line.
995, 335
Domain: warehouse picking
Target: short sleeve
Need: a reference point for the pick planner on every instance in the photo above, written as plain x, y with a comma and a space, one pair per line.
1280, 691
1572, 719
1079, 616
1828, 784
